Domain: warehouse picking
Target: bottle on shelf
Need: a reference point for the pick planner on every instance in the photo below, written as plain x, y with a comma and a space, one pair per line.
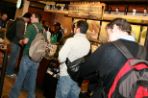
117, 10
145, 12
134, 12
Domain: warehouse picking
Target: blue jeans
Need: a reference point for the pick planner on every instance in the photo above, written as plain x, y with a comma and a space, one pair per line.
14, 54
67, 88
26, 66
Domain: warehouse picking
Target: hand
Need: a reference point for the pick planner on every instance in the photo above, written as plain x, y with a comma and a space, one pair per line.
23, 41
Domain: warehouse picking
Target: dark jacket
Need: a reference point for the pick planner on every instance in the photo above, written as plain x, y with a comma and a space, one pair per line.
107, 60
16, 31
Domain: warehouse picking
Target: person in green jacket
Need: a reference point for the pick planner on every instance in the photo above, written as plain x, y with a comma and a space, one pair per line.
57, 34
27, 65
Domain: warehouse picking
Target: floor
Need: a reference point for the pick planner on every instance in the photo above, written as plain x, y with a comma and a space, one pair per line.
8, 83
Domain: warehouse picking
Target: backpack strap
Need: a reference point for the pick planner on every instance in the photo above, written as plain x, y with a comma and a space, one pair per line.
123, 49
142, 53
38, 31
75, 64
36, 28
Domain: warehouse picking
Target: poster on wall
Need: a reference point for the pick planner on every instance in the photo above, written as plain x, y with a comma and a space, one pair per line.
103, 38
93, 30
86, 10
139, 33
136, 32
143, 35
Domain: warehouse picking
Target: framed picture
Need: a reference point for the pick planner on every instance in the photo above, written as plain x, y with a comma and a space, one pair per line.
136, 32
139, 33
93, 30
143, 35
103, 37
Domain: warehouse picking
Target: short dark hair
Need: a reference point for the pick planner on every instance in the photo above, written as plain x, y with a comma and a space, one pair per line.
121, 23
46, 28
4, 13
27, 15
83, 25
57, 24
37, 15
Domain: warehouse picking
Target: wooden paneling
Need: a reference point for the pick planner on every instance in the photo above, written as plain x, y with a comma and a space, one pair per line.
66, 22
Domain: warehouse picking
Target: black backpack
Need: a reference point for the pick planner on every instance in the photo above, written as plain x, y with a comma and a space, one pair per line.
11, 29
132, 79
15, 30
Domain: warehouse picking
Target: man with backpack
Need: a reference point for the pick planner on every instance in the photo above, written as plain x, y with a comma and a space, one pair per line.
15, 33
28, 68
105, 63
74, 48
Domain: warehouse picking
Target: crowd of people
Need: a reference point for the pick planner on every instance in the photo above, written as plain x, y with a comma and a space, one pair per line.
107, 60
20, 33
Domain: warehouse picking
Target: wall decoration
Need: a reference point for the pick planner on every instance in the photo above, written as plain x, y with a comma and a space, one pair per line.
89, 10
136, 32
103, 38
93, 30
143, 35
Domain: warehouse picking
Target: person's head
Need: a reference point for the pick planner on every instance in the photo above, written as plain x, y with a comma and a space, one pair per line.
4, 16
35, 18
57, 26
45, 28
81, 27
27, 17
118, 26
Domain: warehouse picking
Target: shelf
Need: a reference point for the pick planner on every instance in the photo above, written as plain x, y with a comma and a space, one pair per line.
57, 11
135, 19
130, 18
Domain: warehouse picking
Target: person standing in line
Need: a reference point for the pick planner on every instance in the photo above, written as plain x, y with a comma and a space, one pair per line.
57, 34
14, 34
75, 47
27, 65
107, 60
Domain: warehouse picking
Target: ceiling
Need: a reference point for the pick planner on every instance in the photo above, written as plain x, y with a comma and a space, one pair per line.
135, 1
33, 3
41, 3
95, 0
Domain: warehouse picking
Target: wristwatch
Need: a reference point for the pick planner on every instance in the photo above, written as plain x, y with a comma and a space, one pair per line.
19, 4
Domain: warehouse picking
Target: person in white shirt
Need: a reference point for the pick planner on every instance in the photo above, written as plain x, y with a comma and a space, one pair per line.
75, 47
